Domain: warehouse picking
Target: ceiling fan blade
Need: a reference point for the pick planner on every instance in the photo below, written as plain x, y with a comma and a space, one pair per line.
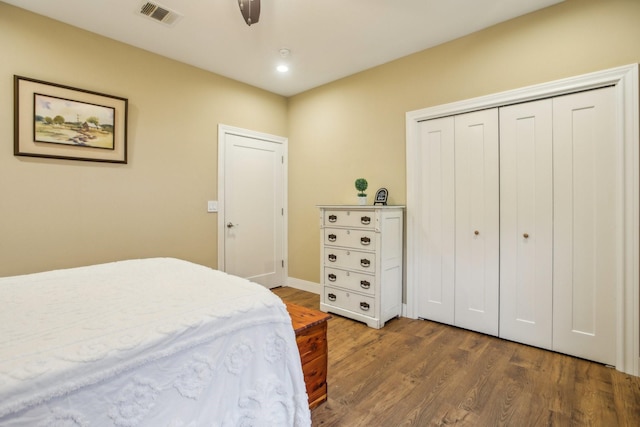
250, 10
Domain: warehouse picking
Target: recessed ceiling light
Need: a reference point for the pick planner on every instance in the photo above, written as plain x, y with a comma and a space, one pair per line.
282, 68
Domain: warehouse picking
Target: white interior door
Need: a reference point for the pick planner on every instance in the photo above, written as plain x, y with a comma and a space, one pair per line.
436, 227
477, 225
587, 224
620, 148
252, 217
526, 223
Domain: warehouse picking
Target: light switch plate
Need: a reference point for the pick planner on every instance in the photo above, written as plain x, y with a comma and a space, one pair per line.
212, 206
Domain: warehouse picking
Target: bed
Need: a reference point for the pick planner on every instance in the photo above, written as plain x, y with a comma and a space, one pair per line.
151, 342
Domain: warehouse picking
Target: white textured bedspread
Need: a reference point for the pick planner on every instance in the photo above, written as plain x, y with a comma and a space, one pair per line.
153, 342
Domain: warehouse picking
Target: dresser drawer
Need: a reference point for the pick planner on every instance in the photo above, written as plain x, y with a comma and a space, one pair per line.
350, 301
346, 218
350, 280
357, 239
349, 259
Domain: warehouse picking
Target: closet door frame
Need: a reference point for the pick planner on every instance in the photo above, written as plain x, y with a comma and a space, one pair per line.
625, 81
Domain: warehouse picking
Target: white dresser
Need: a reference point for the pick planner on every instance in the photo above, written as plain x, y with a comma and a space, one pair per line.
361, 262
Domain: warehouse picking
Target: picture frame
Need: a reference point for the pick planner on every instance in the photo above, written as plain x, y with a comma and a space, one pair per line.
63, 122
381, 197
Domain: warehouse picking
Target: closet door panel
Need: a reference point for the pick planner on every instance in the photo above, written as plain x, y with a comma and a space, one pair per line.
587, 224
477, 221
526, 223
436, 239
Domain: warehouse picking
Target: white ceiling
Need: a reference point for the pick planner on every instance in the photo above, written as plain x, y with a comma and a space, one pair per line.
328, 39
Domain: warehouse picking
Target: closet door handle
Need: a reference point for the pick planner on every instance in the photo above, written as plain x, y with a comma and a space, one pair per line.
476, 232
525, 235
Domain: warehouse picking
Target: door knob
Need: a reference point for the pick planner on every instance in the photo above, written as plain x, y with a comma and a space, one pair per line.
230, 225
525, 235
476, 232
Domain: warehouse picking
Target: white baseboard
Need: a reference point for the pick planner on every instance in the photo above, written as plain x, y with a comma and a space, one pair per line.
304, 285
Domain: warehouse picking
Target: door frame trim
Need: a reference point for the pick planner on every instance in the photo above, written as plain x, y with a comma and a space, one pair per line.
224, 130
625, 81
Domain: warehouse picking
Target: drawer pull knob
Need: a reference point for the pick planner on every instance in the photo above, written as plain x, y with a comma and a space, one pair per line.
332, 297
364, 306
365, 241
476, 232
365, 220
332, 237
333, 257
525, 235
332, 277
333, 218
364, 284
365, 262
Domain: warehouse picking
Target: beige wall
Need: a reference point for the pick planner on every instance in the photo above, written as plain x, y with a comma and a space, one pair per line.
63, 213
56, 213
356, 126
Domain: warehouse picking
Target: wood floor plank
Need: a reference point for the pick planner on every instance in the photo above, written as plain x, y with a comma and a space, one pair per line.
416, 373
626, 396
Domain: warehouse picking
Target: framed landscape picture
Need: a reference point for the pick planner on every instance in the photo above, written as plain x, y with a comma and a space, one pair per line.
63, 122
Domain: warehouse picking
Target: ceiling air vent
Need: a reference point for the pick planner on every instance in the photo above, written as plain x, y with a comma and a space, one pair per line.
159, 13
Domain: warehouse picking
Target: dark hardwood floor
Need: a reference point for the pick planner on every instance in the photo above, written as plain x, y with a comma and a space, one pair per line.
421, 373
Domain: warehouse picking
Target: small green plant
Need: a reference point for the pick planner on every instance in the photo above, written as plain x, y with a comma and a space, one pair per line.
361, 185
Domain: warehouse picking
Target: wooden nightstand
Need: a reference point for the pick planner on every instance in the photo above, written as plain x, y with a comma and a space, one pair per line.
311, 336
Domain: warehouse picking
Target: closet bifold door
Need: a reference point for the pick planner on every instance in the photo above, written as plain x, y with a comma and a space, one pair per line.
477, 209
588, 225
526, 223
435, 239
